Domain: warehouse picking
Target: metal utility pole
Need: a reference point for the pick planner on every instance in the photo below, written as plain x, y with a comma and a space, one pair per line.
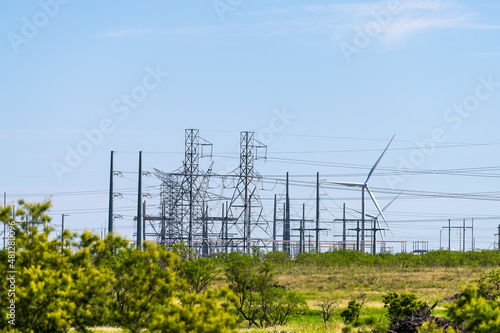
274, 225
317, 212
163, 223
357, 236
139, 205
284, 219
472, 235
286, 229
464, 235
302, 227
5, 224
461, 232
144, 220
226, 220
222, 228
110, 208
498, 244
362, 219
344, 239
375, 229
62, 231
459, 240
449, 234
204, 250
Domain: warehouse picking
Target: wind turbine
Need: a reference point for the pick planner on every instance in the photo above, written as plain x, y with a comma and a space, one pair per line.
375, 217
364, 186
376, 222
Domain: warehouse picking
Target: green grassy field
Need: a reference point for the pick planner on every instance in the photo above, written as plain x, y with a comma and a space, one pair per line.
345, 283
431, 282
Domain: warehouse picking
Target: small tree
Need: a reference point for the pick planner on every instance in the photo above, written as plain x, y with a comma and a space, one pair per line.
351, 314
401, 305
56, 288
148, 294
199, 274
489, 284
145, 284
328, 306
86, 282
258, 300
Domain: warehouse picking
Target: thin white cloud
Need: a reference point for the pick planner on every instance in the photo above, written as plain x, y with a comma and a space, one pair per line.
481, 26
484, 54
127, 33
340, 21
404, 27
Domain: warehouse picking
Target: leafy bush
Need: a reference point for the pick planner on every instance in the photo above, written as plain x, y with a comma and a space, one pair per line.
351, 314
431, 327
478, 314
401, 305
489, 285
259, 299
81, 281
348, 258
199, 274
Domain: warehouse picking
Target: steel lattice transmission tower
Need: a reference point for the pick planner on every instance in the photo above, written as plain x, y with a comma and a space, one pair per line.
249, 226
184, 195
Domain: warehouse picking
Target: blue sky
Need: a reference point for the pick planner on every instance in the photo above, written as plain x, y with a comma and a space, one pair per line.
327, 82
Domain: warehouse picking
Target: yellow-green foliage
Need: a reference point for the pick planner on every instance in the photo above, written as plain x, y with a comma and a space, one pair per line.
475, 312
431, 328
81, 281
401, 305
56, 287
258, 300
489, 284
148, 294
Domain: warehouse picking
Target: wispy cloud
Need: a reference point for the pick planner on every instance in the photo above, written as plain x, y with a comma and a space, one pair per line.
484, 54
414, 16
410, 18
127, 33
340, 20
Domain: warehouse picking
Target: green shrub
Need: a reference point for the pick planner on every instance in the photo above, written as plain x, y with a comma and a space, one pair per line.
489, 285
259, 300
478, 314
401, 305
351, 314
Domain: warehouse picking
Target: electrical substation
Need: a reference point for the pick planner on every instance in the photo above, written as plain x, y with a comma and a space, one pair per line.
214, 213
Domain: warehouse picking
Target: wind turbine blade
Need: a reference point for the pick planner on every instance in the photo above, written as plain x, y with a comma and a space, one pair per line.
381, 233
351, 184
378, 208
376, 163
366, 214
390, 203
354, 210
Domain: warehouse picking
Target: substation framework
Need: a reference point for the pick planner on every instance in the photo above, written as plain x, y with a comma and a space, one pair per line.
190, 211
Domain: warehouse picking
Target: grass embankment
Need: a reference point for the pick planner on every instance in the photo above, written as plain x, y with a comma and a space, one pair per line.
344, 283
344, 275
